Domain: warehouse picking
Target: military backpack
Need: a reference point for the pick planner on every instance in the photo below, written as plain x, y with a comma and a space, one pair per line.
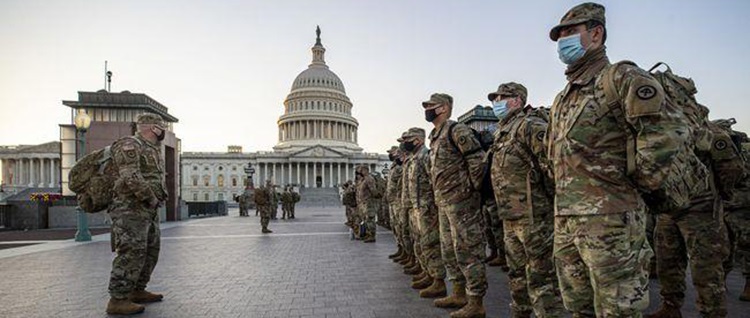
689, 173
92, 178
380, 185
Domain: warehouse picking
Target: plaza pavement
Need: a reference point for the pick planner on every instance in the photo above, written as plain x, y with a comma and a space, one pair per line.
224, 267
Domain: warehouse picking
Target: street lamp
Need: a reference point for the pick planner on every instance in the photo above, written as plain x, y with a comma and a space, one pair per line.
250, 171
385, 170
82, 122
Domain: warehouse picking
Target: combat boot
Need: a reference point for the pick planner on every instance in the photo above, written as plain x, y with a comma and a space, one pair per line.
405, 261
266, 230
398, 252
455, 300
473, 309
666, 311
437, 289
419, 277
143, 296
499, 261
369, 240
400, 256
422, 283
745, 296
493, 255
414, 270
123, 307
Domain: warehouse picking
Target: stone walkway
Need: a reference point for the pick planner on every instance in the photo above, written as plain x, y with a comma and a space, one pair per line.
224, 267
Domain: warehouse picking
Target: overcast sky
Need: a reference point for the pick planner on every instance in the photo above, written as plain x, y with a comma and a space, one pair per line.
224, 68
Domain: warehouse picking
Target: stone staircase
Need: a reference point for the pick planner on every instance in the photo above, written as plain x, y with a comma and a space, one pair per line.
319, 197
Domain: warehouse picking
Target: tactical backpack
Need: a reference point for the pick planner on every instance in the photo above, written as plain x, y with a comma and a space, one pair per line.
295, 197
349, 198
538, 174
261, 196
380, 185
485, 141
92, 178
688, 174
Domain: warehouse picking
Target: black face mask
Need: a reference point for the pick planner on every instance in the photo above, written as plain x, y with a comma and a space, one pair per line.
398, 161
410, 146
161, 136
391, 158
430, 115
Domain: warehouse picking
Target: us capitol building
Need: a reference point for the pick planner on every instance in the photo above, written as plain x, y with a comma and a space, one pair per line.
317, 143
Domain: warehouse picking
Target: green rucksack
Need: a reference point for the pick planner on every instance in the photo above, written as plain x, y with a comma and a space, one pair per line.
92, 178
689, 174
380, 185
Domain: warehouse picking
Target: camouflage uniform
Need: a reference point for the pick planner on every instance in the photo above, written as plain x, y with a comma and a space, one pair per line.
366, 204
738, 221
493, 228
456, 174
600, 244
286, 204
263, 202
411, 221
422, 200
393, 195
135, 225
295, 198
518, 172
274, 203
242, 200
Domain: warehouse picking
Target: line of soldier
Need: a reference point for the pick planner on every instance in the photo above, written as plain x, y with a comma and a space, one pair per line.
365, 202
579, 214
266, 200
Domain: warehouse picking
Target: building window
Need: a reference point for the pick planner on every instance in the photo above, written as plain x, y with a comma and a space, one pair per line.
205, 168
234, 182
195, 181
234, 168
206, 181
220, 180
221, 168
220, 197
195, 168
205, 197
195, 196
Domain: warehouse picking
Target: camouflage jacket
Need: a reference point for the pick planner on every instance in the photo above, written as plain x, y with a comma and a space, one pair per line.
741, 199
418, 180
519, 166
456, 170
405, 198
141, 172
393, 189
286, 197
365, 187
587, 146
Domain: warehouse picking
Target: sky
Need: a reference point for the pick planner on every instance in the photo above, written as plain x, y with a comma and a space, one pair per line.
224, 68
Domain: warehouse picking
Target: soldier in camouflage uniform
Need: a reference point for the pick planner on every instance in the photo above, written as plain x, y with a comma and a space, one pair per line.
494, 233
600, 246
408, 260
738, 220
286, 203
263, 197
519, 170
417, 267
295, 198
457, 171
392, 192
242, 201
422, 199
138, 192
274, 203
366, 204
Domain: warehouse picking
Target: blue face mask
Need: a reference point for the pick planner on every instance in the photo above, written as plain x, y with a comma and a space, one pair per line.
570, 48
500, 108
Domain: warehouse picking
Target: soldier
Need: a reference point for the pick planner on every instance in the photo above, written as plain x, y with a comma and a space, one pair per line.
393, 191
417, 178
456, 173
274, 203
263, 199
295, 198
349, 199
366, 204
138, 192
738, 220
286, 203
243, 204
408, 260
519, 165
600, 245
417, 266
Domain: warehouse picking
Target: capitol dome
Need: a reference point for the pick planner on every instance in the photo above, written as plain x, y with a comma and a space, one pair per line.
317, 110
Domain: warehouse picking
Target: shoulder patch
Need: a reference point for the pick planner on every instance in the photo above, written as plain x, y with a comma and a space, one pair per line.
720, 145
646, 92
540, 135
461, 140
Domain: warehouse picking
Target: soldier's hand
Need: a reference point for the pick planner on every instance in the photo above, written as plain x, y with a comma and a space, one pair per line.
154, 203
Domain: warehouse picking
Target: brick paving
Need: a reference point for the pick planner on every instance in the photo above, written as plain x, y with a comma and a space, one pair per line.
224, 267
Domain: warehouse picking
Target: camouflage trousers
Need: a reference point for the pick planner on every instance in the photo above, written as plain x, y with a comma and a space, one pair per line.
265, 215
402, 217
285, 210
136, 239
395, 228
602, 263
429, 241
368, 214
413, 224
738, 223
532, 277
463, 244
494, 228
700, 240
291, 209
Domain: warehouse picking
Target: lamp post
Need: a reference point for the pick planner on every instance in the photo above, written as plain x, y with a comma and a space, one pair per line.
250, 171
385, 170
82, 123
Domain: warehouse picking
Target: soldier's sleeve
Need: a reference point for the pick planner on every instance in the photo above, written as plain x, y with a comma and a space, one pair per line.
728, 162
126, 155
472, 152
658, 137
536, 132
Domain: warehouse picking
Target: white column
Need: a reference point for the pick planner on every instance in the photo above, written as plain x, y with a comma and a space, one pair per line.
330, 177
299, 182
307, 176
338, 167
273, 173
322, 175
347, 171
289, 180
265, 172
52, 173
31, 172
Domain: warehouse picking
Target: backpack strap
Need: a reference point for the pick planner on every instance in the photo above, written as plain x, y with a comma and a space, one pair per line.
614, 105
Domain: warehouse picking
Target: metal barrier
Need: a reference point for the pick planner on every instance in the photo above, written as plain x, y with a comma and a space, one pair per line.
5, 215
207, 208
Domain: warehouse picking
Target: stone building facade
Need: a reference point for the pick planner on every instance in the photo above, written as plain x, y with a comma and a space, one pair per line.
30, 166
317, 143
